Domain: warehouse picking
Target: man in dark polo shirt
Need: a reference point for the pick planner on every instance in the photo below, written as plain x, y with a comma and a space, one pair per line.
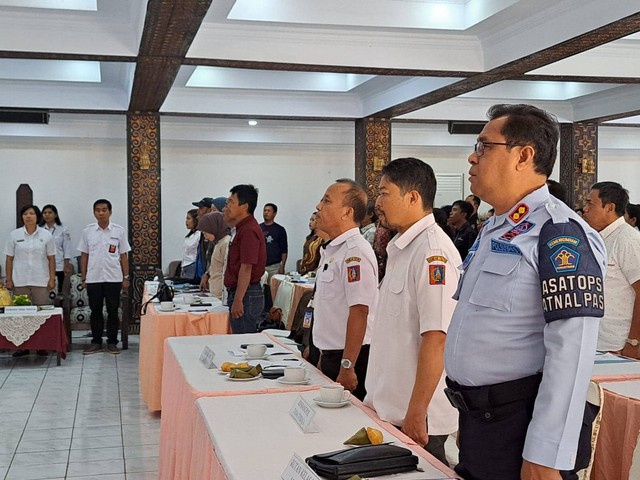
275, 238
246, 261
464, 234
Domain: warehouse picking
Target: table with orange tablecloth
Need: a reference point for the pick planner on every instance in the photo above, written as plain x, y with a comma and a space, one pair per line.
229, 431
155, 327
50, 336
190, 380
294, 292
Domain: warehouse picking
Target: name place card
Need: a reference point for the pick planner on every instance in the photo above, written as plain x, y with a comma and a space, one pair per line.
297, 469
21, 309
206, 357
303, 413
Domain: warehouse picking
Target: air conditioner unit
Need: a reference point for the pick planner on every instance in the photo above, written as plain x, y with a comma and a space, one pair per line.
465, 128
24, 116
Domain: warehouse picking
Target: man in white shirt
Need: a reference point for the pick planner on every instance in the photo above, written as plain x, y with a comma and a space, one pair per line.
346, 292
405, 378
620, 326
105, 271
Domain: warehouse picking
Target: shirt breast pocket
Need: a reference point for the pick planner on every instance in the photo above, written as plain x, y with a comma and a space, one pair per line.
323, 284
395, 296
497, 282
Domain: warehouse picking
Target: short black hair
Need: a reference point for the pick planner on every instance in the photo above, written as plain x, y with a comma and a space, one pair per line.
612, 192
272, 205
465, 207
633, 210
356, 198
475, 199
246, 194
557, 190
102, 201
53, 208
529, 125
411, 173
441, 219
371, 210
35, 209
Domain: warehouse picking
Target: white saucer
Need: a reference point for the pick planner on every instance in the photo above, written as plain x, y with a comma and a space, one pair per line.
167, 311
287, 382
261, 357
244, 379
320, 403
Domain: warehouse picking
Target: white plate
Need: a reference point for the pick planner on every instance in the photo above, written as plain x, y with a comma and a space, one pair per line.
287, 382
244, 379
320, 403
261, 357
47, 307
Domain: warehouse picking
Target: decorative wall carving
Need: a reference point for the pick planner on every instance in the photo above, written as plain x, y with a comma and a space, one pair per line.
145, 232
578, 160
373, 152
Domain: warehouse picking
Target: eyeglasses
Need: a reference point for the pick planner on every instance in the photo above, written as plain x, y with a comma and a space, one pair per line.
478, 148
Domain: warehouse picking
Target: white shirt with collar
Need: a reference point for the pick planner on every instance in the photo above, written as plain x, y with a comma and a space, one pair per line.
347, 276
104, 247
623, 270
62, 239
415, 297
30, 256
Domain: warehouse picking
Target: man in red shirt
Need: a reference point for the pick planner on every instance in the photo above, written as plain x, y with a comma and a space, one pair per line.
246, 261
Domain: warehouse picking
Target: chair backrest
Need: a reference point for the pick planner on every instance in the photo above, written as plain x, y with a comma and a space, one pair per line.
174, 269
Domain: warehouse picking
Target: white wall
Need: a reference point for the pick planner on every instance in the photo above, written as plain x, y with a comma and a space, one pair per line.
78, 158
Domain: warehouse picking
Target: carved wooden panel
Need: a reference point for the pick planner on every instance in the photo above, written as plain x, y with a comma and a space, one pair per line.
24, 196
144, 203
373, 152
578, 160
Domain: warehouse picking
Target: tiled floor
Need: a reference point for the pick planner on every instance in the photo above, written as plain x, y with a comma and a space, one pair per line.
82, 420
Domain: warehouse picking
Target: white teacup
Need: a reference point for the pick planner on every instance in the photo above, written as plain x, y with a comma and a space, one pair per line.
166, 306
256, 350
295, 276
188, 298
334, 394
295, 374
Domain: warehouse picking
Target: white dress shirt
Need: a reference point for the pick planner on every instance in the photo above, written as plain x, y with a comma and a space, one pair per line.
30, 256
104, 247
190, 248
62, 239
415, 297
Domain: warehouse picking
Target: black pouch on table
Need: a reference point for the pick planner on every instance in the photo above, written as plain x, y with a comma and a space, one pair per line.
367, 461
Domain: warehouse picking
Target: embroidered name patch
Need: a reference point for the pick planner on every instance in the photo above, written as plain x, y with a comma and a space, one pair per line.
519, 212
519, 229
563, 240
436, 274
353, 273
565, 259
501, 247
352, 259
437, 258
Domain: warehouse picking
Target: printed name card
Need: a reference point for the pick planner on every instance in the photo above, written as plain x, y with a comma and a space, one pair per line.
21, 309
297, 469
206, 357
303, 413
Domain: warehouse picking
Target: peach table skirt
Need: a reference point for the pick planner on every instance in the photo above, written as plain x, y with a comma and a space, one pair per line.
154, 329
189, 380
253, 437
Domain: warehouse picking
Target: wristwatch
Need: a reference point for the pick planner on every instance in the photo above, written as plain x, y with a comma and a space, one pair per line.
346, 363
634, 342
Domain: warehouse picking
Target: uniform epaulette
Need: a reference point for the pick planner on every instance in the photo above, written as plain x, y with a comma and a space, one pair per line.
557, 213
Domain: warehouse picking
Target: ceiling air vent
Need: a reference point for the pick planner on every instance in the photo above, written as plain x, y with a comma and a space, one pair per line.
24, 116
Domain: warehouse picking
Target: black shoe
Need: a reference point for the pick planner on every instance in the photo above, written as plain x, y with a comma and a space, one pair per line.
92, 348
42, 353
20, 353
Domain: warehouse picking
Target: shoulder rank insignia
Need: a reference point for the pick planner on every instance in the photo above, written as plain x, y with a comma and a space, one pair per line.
352, 259
519, 229
519, 212
437, 274
353, 273
437, 258
502, 247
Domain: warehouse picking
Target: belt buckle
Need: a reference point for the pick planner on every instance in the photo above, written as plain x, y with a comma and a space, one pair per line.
456, 399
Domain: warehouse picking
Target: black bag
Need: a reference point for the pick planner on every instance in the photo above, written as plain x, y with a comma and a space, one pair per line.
164, 294
366, 461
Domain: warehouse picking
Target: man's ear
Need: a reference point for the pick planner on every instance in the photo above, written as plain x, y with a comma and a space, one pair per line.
527, 154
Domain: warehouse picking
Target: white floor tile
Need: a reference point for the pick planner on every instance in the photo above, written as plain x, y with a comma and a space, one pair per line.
37, 472
97, 432
40, 458
100, 467
101, 477
141, 451
44, 445
48, 434
142, 464
93, 454
142, 476
96, 442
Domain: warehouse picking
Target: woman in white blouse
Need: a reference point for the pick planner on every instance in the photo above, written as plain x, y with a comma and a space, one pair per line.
190, 246
62, 239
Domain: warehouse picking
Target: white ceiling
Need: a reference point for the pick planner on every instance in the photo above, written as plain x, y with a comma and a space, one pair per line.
455, 38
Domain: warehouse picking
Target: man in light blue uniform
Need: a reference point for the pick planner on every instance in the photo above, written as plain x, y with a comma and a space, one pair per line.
521, 344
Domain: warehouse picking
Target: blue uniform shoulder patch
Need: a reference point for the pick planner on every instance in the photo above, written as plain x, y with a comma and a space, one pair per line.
502, 247
570, 276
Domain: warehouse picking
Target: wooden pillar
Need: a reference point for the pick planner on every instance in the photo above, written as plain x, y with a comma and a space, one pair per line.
373, 151
145, 233
24, 196
578, 160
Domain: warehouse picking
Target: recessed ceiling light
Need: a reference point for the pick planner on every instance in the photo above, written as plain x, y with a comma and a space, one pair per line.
253, 123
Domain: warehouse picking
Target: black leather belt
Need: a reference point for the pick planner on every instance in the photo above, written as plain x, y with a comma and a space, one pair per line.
466, 398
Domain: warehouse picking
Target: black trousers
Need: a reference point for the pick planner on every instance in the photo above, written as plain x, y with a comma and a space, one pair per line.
99, 294
330, 366
492, 440
60, 277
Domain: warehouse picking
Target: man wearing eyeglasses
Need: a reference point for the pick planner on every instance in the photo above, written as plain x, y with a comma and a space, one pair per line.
521, 344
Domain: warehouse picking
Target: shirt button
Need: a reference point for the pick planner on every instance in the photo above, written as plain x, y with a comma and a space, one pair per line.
488, 415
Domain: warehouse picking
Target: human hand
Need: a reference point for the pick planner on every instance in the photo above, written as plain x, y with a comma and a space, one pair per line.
348, 379
630, 351
533, 471
51, 284
237, 309
415, 427
8, 284
125, 284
